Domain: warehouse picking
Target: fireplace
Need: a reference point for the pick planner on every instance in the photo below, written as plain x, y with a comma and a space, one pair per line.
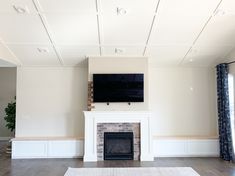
118, 146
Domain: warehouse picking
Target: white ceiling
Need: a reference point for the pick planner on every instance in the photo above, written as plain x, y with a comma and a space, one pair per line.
170, 32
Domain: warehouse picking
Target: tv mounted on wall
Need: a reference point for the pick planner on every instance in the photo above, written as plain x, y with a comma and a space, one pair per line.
118, 87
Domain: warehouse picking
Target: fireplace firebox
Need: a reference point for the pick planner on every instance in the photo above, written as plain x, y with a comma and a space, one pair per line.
118, 146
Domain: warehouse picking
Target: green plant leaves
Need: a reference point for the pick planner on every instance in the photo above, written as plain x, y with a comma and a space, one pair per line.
10, 115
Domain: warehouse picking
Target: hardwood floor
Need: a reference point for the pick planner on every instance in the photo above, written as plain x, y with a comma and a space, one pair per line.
57, 167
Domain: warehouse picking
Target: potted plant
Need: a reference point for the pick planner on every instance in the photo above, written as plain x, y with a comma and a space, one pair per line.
10, 118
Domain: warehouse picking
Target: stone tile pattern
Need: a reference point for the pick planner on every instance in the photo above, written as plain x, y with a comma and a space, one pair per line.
117, 127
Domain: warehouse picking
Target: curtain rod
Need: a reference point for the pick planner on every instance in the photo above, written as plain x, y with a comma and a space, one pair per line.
231, 62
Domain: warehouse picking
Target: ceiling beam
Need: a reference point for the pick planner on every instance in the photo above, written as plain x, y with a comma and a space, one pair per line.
46, 27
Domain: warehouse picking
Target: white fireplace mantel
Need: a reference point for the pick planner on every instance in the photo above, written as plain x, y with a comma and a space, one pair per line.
94, 117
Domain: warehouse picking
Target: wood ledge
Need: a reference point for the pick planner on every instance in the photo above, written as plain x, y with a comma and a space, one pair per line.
185, 137
45, 138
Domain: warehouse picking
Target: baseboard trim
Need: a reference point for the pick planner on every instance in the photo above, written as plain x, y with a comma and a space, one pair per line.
74, 148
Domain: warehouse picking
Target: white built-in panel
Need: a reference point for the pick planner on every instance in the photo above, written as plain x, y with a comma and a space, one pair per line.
30, 55
76, 55
29, 149
130, 28
69, 148
74, 148
123, 50
7, 6
71, 28
71, 6
203, 147
186, 147
206, 55
166, 55
22, 28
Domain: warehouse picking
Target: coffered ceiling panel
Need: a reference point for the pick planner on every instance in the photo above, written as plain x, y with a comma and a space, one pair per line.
6, 54
228, 6
219, 31
166, 55
7, 6
175, 29
188, 7
75, 55
71, 6
124, 22
123, 50
73, 28
180, 22
6, 64
206, 55
23, 28
31, 56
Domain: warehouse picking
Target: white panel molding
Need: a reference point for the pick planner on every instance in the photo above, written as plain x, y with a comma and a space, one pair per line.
186, 147
23, 149
73, 148
92, 118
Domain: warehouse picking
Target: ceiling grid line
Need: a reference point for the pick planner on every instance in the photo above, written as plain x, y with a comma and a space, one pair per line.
151, 28
46, 27
203, 28
11, 52
98, 26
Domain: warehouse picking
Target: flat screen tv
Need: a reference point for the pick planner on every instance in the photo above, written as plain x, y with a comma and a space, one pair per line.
118, 87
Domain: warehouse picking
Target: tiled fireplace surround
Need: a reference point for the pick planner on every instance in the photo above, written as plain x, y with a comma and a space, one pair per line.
98, 122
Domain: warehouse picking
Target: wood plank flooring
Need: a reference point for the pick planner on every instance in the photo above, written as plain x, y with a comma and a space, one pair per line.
57, 167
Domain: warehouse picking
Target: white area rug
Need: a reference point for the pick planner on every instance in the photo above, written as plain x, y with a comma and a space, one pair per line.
133, 171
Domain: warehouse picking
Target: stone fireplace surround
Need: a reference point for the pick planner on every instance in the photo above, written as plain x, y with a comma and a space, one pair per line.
95, 118
118, 127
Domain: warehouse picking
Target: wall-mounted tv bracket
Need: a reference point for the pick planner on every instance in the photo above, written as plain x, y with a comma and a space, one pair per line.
129, 103
107, 103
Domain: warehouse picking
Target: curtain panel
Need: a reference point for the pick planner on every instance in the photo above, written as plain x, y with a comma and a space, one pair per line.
224, 122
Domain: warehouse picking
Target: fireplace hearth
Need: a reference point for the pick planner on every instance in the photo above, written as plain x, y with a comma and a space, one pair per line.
118, 146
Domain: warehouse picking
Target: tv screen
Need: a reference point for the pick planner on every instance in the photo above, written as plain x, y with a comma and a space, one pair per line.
118, 87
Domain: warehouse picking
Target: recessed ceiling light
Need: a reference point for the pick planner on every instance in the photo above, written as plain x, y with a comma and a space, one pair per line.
119, 50
121, 11
219, 12
190, 60
43, 50
21, 9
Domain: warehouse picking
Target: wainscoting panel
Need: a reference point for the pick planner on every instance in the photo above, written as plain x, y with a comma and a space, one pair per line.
74, 148
65, 149
186, 147
29, 149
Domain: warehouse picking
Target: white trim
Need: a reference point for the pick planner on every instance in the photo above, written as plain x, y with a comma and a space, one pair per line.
92, 118
74, 148
5, 138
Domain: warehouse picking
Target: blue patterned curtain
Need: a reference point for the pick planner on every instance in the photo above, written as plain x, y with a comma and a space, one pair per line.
225, 131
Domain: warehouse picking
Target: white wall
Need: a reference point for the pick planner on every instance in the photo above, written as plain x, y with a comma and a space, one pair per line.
183, 101
121, 65
7, 94
50, 101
